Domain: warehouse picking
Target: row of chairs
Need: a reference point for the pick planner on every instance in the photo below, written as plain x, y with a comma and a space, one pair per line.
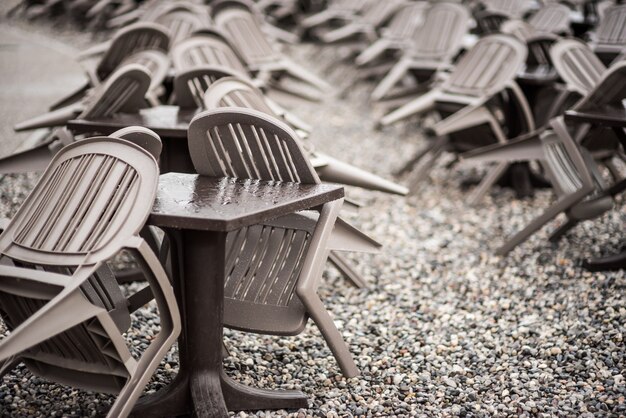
485, 95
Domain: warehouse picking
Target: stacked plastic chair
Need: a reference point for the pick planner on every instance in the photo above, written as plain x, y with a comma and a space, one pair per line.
65, 311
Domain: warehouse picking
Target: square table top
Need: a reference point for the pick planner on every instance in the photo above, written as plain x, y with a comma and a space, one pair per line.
165, 121
191, 201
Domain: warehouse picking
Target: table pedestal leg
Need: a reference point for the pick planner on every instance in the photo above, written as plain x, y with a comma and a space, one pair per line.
201, 387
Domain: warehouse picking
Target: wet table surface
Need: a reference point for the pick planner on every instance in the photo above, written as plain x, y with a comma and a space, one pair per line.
190, 201
167, 121
196, 213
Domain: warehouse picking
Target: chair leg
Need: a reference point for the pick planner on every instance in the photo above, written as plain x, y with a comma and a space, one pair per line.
372, 52
331, 334
344, 267
392, 78
558, 233
487, 183
8, 365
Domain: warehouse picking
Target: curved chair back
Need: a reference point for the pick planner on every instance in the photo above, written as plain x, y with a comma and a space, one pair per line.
247, 143
518, 28
551, 18
124, 91
208, 47
244, 31
180, 23
577, 65
442, 33
406, 20
134, 38
488, 67
612, 27
94, 195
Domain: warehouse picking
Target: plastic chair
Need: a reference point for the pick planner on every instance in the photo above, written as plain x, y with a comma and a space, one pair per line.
483, 73
435, 43
398, 34
259, 55
64, 309
235, 93
365, 26
273, 270
124, 91
573, 172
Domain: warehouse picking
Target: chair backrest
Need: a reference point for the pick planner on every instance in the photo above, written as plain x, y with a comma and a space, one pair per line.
577, 65
124, 91
180, 23
93, 197
551, 18
134, 38
191, 85
244, 31
488, 67
510, 8
156, 62
442, 33
235, 92
406, 20
208, 47
612, 27
246, 143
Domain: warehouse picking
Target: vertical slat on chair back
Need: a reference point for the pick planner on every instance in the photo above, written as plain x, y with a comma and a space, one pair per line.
564, 171
125, 90
86, 201
612, 27
135, 38
246, 143
441, 35
552, 18
488, 67
407, 20
577, 65
206, 49
245, 32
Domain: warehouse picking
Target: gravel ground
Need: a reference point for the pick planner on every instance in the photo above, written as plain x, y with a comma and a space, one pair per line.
445, 328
